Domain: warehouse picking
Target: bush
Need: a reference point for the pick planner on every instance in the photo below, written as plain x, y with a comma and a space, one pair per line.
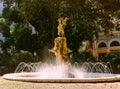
83, 57
114, 60
9, 62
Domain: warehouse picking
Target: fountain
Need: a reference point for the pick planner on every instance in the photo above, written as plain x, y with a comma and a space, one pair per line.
62, 71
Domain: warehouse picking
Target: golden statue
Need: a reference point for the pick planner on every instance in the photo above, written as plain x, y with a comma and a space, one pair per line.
60, 44
61, 26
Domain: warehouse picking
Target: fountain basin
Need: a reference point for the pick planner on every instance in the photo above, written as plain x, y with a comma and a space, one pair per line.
88, 78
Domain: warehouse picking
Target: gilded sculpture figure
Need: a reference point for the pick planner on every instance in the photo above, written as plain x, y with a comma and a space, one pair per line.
62, 24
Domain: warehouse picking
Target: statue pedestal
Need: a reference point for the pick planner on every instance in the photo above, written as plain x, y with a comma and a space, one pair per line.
60, 49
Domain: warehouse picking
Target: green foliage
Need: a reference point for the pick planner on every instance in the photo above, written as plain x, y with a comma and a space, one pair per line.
114, 60
4, 27
9, 62
22, 36
22, 56
83, 57
112, 57
85, 18
80, 30
2, 21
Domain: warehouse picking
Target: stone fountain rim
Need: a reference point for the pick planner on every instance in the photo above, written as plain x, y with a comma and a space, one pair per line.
12, 76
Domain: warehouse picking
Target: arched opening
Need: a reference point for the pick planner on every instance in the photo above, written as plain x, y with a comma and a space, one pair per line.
101, 45
114, 43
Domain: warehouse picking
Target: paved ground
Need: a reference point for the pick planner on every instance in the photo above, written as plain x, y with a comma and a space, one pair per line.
6, 84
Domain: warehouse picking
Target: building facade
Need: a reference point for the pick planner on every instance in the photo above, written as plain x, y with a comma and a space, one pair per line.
106, 43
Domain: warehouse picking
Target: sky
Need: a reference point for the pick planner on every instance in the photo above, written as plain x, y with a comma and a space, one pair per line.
1, 6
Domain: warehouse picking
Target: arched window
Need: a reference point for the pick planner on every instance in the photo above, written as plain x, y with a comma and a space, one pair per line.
114, 43
102, 44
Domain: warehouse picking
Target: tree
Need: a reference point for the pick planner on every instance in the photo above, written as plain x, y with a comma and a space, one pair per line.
30, 25
86, 18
